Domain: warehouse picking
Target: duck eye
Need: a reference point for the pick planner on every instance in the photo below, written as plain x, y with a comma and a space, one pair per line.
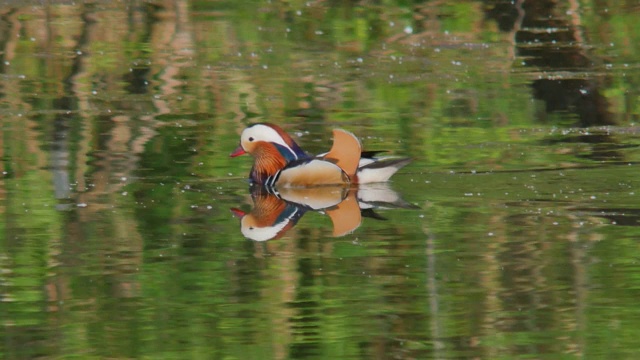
251, 139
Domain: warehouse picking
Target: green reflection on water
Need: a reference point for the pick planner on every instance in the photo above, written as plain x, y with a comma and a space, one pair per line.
117, 125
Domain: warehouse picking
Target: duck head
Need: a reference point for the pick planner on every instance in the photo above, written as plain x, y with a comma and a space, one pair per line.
271, 147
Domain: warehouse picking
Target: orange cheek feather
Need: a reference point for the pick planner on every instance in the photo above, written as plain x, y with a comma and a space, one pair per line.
268, 159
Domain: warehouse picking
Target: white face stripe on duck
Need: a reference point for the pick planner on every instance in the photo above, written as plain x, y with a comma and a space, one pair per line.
266, 133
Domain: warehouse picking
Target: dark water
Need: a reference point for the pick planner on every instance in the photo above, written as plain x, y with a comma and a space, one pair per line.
512, 234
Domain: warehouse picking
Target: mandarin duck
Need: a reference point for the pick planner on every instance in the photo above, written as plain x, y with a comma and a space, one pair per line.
280, 162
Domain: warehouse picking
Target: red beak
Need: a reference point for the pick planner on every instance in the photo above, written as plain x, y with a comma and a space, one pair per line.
238, 151
238, 213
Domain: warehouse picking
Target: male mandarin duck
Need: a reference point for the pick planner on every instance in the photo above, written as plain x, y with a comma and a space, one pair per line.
280, 162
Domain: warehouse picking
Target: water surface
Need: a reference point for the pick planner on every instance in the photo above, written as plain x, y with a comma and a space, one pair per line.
512, 234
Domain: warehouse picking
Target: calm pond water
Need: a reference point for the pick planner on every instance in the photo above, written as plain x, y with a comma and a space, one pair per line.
514, 233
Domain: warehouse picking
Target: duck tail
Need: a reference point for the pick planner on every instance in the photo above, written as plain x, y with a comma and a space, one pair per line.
381, 170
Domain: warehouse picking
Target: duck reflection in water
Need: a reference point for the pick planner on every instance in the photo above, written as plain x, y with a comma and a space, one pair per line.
275, 212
